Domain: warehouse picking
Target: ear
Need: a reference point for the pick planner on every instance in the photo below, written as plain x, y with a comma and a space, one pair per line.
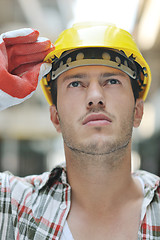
55, 118
138, 114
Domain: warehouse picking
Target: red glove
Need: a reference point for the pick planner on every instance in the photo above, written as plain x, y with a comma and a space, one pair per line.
21, 64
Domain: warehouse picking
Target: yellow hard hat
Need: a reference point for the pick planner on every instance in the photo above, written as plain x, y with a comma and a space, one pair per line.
99, 35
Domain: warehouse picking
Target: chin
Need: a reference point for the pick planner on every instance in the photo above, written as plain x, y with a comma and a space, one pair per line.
96, 146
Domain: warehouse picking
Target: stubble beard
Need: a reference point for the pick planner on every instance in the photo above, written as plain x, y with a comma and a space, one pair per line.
109, 150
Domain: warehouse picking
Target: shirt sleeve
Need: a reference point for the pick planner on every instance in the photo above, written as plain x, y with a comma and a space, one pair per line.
6, 223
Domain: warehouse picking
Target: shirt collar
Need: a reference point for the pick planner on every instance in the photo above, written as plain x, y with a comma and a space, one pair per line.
58, 174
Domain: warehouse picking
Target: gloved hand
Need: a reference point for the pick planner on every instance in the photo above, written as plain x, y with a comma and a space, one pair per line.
21, 64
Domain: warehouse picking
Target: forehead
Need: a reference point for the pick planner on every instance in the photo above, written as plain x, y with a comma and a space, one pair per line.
93, 71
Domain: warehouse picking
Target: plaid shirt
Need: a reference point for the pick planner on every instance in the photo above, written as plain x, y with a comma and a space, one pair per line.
36, 207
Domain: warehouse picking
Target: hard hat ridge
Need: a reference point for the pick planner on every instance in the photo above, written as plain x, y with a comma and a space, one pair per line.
93, 56
98, 36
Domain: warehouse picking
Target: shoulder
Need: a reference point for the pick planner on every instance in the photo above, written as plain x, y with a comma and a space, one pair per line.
151, 184
17, 192
13, 187
11, 183
30, 200
148, 178
150, 219
7, 179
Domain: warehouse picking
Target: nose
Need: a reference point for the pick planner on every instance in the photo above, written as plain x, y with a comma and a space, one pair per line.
95, 96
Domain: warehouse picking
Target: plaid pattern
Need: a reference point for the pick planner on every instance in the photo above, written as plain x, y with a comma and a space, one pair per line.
36, 207
150, 213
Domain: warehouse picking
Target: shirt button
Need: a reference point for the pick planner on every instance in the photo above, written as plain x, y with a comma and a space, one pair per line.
63, 206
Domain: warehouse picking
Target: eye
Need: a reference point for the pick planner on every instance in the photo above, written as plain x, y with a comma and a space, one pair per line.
75, 84
113, 81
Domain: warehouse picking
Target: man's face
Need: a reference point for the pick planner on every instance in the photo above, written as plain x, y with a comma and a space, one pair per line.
96, 110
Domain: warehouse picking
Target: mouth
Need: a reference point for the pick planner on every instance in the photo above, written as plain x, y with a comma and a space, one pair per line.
97, 119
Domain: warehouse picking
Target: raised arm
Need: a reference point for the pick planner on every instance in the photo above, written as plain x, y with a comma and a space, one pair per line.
21, 64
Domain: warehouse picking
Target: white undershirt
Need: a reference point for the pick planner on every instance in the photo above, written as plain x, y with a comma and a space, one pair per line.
66, 233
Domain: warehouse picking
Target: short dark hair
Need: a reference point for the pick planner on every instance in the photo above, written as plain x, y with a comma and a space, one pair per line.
53, 86
135, 88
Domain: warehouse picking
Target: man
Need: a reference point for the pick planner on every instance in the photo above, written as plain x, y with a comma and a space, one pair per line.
96, 88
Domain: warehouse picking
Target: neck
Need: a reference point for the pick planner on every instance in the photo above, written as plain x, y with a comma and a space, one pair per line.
99, 178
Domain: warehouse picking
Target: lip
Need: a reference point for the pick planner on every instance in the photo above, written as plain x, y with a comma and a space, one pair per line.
97, 119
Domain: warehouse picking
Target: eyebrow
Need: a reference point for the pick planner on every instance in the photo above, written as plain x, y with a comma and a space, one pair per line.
110, 74
73, 76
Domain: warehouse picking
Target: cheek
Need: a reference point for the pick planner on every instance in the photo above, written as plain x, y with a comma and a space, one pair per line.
70, 99
70, 108
122, 107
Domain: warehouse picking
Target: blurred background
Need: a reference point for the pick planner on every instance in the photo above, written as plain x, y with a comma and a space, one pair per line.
29, 143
